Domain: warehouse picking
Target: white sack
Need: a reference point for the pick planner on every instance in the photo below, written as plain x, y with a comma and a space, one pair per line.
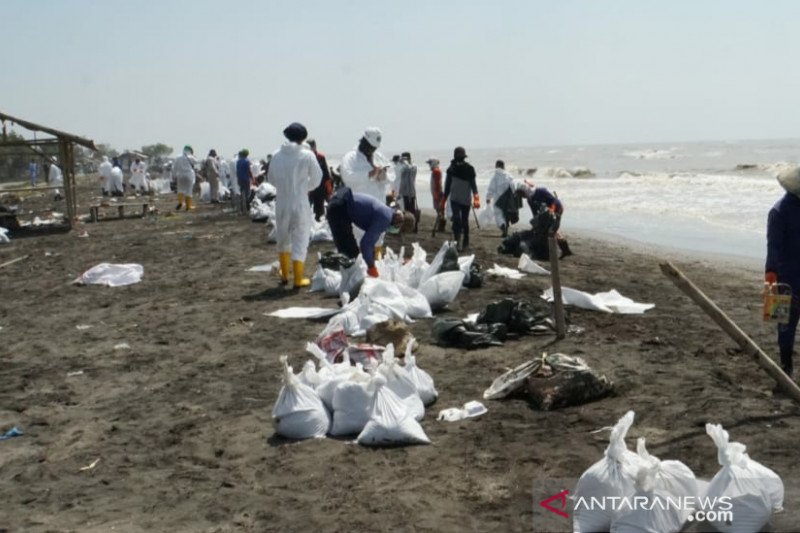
325, 280
422, 381
526, 264
465, 265
352, 402
486, 217
442, 289
400, 383
503, 272
659, 481
607, 302
469, 410
4, 238
265, 189
353, 277
298, 413
411, 273
390, 422
112, 275
308, 376
303, 312
754, 490
612, 476
320, 231
436, 264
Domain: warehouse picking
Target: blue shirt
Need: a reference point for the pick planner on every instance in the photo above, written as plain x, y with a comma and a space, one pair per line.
783, 241
243, 170
373, 217
542, 195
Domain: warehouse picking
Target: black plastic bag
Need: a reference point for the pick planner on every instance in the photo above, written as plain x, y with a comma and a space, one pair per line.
475, 278
454, 332
335, 261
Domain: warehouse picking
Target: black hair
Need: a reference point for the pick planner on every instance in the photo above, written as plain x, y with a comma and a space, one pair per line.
500, 164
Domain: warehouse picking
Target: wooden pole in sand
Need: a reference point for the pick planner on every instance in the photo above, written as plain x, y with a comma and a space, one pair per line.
561, 327
727, 325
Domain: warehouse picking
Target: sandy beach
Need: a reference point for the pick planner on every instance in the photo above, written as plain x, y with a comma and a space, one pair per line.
178, 424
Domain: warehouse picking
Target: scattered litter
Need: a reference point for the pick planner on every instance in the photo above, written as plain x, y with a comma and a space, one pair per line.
84, 234
526, 264
562, 380
112, 275
13, 432
90, 465
75, 373
303, 312
466, 335
607, 302
264, 268
504, 272
469, 410
81, 327
122, 346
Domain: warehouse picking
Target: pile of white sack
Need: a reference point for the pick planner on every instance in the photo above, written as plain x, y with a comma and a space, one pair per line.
381, 404
404, 291
205, 192
627, 492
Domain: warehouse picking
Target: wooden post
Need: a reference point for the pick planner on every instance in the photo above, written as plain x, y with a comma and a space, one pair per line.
561, 327
729, 327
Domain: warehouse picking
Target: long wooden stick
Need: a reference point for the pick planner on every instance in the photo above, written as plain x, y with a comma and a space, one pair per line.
729, 327
14, 261
561, 327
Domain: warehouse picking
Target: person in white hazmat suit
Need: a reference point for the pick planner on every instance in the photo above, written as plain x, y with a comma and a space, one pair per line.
294, 171
115, 183
501, 182
138, 180
364, 171
56, 179
105, 175
183, 174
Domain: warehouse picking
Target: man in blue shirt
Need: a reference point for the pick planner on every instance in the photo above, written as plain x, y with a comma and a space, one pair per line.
244, 177
539, 199
347, 209
783, 258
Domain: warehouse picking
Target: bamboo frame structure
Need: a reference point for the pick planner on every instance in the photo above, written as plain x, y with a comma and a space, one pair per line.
66, 155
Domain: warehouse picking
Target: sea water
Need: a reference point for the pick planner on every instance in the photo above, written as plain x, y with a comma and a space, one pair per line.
703, 196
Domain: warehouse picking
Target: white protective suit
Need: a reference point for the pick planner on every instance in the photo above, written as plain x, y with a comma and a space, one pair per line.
183, 173
501, 181
56, 178
355, 169
294, 172
105, 174
224, 172
138, 178
115, 183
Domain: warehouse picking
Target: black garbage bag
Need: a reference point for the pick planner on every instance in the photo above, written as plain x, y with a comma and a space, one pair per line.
335, 261
475, 278
450, 260
456, 333
518, 243
563, 381
521, 317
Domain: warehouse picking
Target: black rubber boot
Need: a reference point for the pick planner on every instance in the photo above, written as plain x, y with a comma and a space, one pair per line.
504, 229
563, 245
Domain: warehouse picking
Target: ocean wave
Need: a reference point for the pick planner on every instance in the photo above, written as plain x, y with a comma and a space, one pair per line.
650, 154
560, 172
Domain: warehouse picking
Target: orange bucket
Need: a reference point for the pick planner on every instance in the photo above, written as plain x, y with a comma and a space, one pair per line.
777, 302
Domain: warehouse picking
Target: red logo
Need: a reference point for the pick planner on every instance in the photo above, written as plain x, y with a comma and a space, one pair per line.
560, 497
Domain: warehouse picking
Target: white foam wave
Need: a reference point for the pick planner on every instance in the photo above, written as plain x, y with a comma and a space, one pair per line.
650, 154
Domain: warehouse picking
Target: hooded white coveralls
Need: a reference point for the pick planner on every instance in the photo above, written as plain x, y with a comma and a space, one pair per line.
138, 180
115, 183
105, 174
183, 172
355, 169
294, 172
501, 181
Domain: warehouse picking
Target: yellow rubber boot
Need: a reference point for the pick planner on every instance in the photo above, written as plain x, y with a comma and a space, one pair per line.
299, 280
284, 259
378, 253
180, 201
189, 206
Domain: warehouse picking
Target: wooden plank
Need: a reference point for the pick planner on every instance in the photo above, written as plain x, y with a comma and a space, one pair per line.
88, 143
13, 261
729, 326
555, 277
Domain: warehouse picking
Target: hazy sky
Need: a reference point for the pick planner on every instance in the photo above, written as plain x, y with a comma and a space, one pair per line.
430, 74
